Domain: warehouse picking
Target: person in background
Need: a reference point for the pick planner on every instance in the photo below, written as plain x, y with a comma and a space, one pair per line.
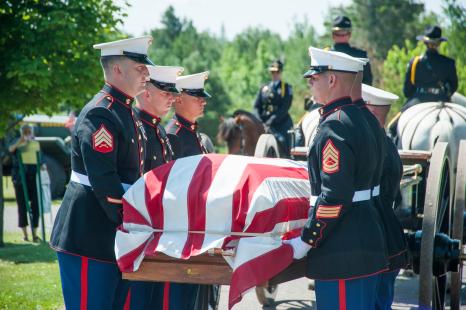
341, 35
27, 148
273, 101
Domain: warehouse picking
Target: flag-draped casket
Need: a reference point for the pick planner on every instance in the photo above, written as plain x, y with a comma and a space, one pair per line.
194, 204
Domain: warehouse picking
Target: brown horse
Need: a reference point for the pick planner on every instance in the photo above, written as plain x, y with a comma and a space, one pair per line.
240, 132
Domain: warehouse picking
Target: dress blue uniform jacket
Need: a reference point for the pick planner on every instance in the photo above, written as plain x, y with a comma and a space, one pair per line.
391, 173
346, 236
107, 148
158, 150
184, 137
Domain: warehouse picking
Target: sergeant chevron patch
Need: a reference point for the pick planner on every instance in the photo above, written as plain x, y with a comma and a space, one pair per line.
328, 212
102, 140
330, 158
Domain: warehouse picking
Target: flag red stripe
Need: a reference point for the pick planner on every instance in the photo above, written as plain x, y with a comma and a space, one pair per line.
253, 176
126, 262
258, 271
132, 215
289, 209
197, 197
155, 182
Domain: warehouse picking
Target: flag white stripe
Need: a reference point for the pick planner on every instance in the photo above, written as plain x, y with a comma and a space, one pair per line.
175, 205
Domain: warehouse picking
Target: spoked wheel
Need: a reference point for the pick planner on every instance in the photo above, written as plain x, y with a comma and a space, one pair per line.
267, 146
266, 294
458, 210
439, 254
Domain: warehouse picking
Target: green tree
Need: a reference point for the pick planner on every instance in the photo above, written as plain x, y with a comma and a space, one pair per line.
456, 34
178, 43
47, 56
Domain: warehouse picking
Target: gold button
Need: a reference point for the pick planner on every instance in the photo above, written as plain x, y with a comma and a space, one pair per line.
154, 157
141, 150
132, 140
128, 101
139, 137
311, 241
142, 162
314, 233
154, 121
318, 224
109, 98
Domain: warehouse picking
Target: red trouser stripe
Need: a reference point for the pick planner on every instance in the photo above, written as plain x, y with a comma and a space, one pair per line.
84, 268
166, 296
127, 305
342, 294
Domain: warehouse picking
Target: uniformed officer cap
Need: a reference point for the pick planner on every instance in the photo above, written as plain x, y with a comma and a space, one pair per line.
432, 34
341, 23
322, 60
276, 65
134, 48
376, 96
193, 84
164, 77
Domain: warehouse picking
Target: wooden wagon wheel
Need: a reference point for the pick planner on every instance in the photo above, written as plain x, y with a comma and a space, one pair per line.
458, 215
267, 146
437, 218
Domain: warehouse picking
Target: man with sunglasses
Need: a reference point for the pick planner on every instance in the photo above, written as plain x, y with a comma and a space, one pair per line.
343, 237
151, 105
341, 34
105, 160
272, 104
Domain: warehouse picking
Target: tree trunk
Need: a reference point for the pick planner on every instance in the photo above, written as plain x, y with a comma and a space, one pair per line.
2, 200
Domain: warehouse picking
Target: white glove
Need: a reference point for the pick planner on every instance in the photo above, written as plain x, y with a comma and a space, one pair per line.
300, 248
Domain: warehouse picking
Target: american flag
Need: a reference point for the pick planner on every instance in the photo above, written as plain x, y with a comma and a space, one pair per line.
243, 203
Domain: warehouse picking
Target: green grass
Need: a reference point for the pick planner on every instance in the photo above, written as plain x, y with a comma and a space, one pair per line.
29, 276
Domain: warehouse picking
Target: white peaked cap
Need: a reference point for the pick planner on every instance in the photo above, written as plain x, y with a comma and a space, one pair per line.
165, 74
376, 96
136, 47
193, 81
193, 84
322, 60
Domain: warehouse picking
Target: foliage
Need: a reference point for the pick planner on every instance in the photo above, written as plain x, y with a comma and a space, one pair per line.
395, 65
30, 276
47, 56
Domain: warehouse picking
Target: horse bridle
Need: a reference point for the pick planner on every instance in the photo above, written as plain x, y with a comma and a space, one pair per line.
242, 141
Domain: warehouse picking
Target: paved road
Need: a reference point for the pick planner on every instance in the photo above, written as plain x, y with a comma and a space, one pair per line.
292, 295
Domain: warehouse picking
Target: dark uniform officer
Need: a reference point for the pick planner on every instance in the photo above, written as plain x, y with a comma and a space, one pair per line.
107, 156
430, 77
341, 33
272, 104
378, 101
186, 141
344, 231
158, 151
